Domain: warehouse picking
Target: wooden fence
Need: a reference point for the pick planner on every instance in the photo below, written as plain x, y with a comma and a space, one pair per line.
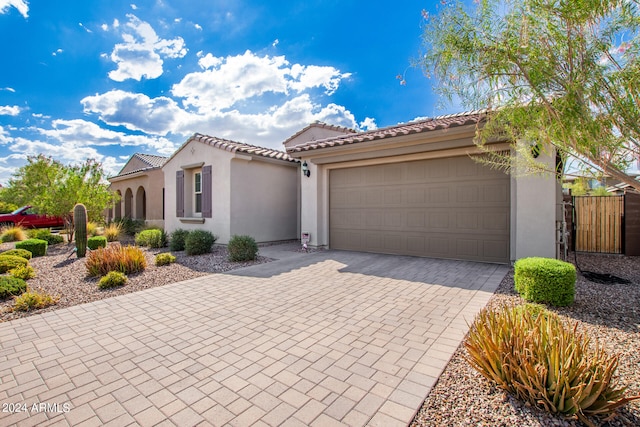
599, 224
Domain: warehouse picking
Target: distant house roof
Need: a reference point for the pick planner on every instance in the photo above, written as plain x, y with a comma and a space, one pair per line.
321, 125
143, 162
238, 147
425, 125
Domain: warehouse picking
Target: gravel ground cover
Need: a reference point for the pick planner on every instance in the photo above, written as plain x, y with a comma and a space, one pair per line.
61, 273
608, 313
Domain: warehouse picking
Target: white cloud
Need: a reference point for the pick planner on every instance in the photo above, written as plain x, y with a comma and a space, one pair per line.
197, 26
8, 89
58, 51
80, 134
227, 81
6, 110
368, 124
134, 7
275, 43
141, 54
136, 111
21, 5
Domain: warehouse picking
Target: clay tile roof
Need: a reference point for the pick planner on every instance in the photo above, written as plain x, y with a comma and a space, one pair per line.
240, 147
425, 125
323, 125
151, 160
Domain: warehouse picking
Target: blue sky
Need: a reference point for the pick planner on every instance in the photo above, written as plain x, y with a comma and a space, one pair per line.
104, 79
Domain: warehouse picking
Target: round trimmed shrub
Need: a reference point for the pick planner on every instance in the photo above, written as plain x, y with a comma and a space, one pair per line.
545, 280
152, 238
45, 234
176, 241
112, 279
242, 248
165, 258
37, 247
96, 242
199, 242
9, 262
10, 286
22, 253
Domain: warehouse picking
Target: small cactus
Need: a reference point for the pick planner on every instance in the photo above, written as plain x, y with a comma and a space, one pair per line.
80, 224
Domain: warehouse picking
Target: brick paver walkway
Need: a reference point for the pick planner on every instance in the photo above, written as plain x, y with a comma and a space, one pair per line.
322, 339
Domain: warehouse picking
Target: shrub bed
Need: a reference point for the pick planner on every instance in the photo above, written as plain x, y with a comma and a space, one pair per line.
37, 247
96, 242
45, 234
177, 239
112, 279
152, 237
545, 280
10, 286
165, 259
199, 242
532, 354
242, 248
125, 259
9, 262
33, 300
22, 253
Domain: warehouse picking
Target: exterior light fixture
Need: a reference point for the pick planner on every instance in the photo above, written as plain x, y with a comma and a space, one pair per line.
305, 169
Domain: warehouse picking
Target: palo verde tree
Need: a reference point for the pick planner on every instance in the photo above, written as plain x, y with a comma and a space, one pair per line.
557, 73
54, 189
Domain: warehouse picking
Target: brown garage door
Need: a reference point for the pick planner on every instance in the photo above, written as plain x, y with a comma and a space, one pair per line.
443, 208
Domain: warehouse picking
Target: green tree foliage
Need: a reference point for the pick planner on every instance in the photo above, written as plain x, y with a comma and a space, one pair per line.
564, 73
54, 189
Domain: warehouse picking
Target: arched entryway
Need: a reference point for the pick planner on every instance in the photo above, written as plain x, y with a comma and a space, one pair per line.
141, 203
128, 203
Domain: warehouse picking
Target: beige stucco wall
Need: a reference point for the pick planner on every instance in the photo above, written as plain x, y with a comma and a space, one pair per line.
533, 199
193, 156
152, 182
251, 195
535, 210
264, 199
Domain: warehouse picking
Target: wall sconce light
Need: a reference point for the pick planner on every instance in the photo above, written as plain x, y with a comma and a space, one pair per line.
305, 169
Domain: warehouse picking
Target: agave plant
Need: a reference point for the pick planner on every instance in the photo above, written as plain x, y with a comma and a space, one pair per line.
532, 354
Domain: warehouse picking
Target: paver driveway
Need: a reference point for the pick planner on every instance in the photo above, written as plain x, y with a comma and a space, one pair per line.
328, 338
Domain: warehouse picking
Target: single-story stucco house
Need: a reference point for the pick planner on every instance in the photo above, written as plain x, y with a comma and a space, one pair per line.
140, 186
410, 189
231, 188
413, 189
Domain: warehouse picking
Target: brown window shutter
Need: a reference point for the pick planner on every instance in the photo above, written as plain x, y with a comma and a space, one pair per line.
180, 193
207, 190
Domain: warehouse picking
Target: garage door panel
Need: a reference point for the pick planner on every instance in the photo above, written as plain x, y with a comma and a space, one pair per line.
447, 208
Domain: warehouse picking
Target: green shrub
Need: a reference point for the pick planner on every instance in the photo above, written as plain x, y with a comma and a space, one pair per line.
45, 234
6, 208
165, 258
545, 280
9, 262
10, 286
152, 237
112, 279
33, 300
96, 242
177, 239
544, 362
92, 229
37, 247
125, 259
199, 242
22, 253
242, 248
24, 272
13, 234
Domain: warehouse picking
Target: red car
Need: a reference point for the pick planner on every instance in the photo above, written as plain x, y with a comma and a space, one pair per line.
27, 218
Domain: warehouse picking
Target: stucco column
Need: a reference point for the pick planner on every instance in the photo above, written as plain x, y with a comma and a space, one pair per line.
310, 207
535, 210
